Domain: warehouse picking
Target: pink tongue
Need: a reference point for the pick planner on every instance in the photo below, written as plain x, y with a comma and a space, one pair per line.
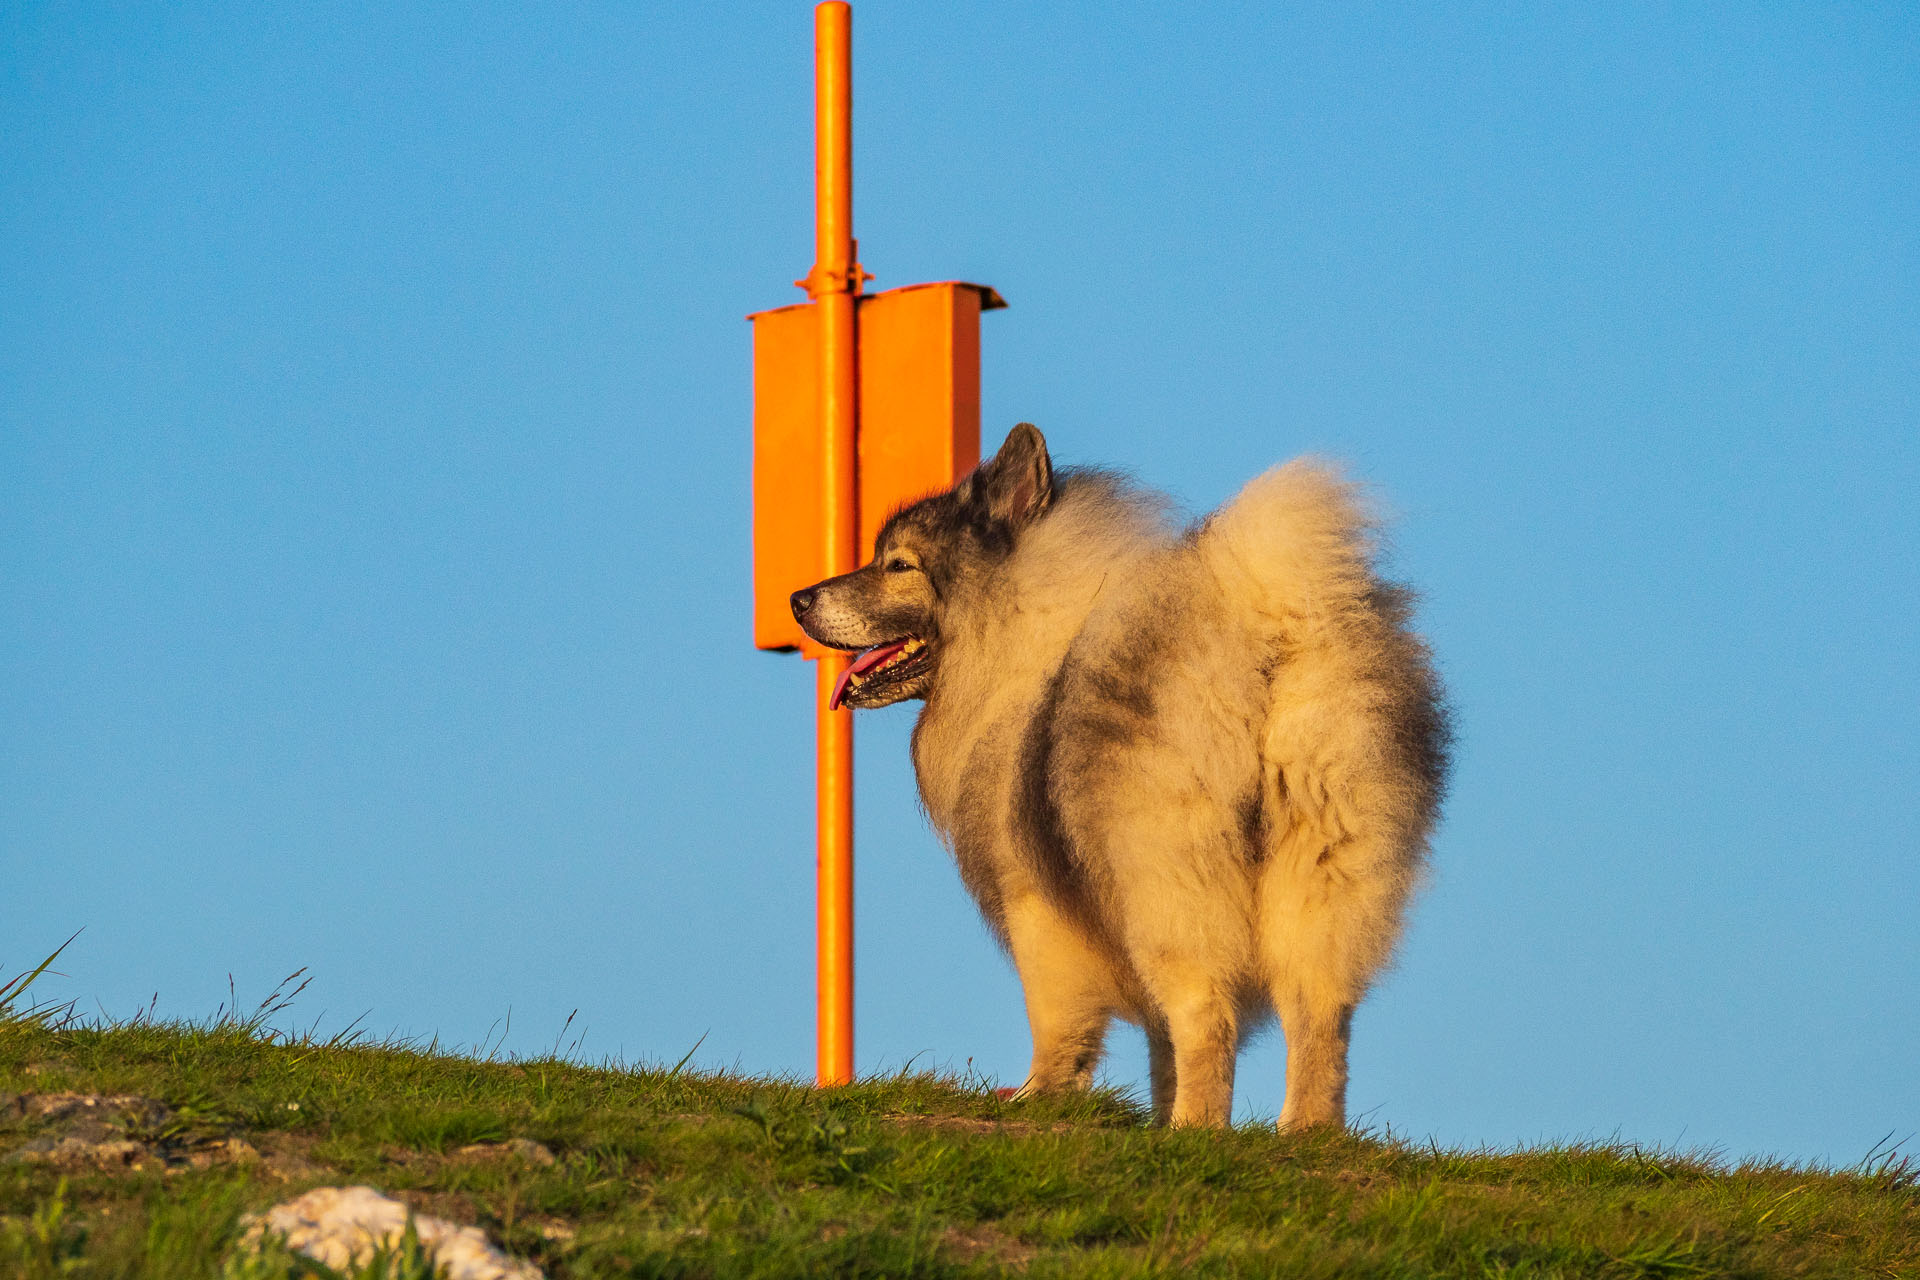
860, 666
875, 656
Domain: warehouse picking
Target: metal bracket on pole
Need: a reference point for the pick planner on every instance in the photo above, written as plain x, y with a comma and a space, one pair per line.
822, 281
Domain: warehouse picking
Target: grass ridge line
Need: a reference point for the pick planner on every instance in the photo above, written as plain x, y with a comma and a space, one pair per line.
659, 1170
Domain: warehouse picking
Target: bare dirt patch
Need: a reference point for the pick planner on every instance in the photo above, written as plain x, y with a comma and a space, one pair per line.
112, 1131
984, 1240
973, 1124
78, 1130
524, 1150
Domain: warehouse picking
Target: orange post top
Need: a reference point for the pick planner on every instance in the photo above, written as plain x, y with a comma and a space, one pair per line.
834, 248
835, 279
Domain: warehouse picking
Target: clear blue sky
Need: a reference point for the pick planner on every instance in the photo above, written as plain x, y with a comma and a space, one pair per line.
374, 443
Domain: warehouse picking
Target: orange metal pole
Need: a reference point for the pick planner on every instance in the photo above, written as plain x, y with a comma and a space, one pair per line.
833, 283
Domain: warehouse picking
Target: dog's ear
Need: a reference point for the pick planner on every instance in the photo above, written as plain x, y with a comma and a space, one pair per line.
1016, 484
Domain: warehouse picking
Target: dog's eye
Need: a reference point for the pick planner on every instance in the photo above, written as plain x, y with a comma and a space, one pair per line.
897, 565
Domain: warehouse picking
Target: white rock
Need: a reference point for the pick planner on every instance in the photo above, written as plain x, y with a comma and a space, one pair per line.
342, 1227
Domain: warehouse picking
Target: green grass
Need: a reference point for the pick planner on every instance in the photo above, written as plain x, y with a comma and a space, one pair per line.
674, 1172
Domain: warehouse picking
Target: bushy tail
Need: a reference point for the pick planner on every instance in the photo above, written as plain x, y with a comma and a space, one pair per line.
1294, 551
1355, 720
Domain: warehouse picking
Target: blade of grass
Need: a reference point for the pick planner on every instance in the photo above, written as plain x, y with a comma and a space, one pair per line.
688, 1056
41, 1014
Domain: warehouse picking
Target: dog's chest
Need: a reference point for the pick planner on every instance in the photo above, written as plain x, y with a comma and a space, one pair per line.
944, 743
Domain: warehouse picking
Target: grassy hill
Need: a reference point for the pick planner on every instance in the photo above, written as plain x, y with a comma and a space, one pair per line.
611, 1171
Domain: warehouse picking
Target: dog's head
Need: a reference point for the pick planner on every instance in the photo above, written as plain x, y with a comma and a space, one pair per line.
891, 610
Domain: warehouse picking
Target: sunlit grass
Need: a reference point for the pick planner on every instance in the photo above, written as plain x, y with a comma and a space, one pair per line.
669, 1171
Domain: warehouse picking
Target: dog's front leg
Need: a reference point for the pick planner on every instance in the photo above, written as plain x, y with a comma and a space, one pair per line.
1069, 999
1160, 1072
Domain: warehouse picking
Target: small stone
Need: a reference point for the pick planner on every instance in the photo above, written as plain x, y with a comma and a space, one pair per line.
226, 1151
532, 1152
117, 1151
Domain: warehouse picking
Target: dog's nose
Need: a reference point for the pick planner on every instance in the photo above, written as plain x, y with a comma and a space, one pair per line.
802, 601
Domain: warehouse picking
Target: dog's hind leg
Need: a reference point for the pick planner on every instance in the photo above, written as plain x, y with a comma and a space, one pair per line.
1350, 779
1181, 901
1069, 994
1318, 1033
1329, 914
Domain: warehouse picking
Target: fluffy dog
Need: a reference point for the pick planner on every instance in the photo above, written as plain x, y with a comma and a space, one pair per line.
1188, 774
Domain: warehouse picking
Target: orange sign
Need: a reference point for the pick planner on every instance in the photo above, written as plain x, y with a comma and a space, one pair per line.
918, 429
